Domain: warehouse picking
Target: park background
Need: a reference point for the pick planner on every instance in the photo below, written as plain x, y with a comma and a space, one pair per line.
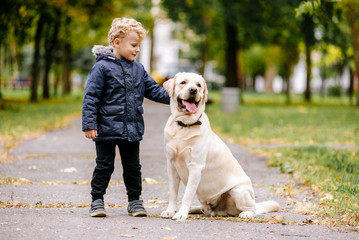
294, 62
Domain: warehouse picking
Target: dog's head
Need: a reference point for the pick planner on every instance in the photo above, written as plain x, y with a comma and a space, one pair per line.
188, 92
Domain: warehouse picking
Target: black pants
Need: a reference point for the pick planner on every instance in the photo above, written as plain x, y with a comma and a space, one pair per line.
105, 165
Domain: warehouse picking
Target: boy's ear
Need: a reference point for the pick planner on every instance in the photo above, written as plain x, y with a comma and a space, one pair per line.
116, 41
169, 86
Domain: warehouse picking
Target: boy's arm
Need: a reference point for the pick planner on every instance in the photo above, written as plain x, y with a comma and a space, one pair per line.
92, 97
154, 91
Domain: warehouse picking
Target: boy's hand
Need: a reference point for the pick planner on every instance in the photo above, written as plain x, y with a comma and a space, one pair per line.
92, 133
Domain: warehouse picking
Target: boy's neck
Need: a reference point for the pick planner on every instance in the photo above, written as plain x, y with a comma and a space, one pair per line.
116, 53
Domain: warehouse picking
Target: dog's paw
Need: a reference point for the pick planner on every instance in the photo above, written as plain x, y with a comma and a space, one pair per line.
168, 214
180, 216
246, 214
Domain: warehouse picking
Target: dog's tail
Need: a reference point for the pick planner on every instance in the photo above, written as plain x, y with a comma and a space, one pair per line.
267, 206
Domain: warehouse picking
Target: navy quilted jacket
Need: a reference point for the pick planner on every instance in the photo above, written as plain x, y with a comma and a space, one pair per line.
114, 95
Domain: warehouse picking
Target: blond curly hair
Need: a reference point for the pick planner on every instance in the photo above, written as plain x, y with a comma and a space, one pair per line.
120, 27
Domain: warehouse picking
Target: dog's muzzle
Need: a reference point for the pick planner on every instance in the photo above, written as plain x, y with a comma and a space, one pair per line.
189, 105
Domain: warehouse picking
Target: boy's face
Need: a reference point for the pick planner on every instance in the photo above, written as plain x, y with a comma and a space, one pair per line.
127, 47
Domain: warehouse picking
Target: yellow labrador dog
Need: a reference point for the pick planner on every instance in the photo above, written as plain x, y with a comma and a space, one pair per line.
201, 160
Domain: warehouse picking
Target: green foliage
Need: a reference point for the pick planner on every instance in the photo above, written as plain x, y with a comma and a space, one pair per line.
254, 61
335, 91
307, 7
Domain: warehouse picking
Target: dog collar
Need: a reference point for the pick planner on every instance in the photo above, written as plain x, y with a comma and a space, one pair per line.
182, 124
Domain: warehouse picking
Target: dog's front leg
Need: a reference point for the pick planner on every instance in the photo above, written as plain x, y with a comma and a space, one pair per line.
174, 182
194, 177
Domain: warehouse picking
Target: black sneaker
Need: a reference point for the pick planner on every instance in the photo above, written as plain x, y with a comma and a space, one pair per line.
136, 209
97, 208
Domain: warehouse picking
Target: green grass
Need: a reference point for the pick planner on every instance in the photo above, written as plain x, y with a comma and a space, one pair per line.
20, 119
318, 143
262, 122
333, 171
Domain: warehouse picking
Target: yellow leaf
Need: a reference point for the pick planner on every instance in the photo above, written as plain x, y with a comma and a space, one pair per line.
169, 238
127, 235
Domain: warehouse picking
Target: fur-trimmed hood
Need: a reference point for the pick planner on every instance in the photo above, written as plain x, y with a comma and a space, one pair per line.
98, 50
106, 53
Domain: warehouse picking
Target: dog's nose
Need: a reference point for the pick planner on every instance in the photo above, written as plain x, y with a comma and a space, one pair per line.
193, 91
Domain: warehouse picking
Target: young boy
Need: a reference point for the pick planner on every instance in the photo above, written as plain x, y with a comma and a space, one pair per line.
112, 112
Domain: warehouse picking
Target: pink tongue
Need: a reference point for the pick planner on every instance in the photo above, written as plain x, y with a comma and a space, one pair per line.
191, 107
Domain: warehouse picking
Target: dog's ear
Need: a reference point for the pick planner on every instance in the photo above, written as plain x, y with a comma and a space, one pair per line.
169, 86
205, 91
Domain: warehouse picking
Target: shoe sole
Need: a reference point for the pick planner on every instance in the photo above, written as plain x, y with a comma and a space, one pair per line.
138, 214
98, 214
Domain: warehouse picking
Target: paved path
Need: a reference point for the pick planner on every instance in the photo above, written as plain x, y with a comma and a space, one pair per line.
59, 165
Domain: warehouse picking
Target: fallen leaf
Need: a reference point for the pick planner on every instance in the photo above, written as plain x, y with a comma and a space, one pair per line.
70, 170
181, 220
275, 219
169, 238
127, 235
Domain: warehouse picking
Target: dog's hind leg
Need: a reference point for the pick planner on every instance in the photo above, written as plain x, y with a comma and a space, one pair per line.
203, 209
244, 201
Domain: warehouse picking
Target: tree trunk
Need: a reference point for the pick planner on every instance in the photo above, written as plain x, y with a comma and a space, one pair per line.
57, 80
308, 30
1, 69
66, 60
231, 55
354, 38
50, 45
269, 76
204, 48
66, 69
152, 36
36, 59
240, 75
351, 86
286, 81
308, 64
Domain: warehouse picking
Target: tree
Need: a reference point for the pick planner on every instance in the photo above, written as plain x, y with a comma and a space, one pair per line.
353, 9
253, 63
232, 23
309, 41
198, 15
52, 29
15, 23
36, 58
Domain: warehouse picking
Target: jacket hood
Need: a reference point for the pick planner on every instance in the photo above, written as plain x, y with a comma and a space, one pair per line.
98, 50
105, 53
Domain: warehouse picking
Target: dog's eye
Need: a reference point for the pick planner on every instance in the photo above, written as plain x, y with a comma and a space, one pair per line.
198, 85
183, 82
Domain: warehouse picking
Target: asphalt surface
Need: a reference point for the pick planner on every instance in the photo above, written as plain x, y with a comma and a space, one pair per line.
59, 165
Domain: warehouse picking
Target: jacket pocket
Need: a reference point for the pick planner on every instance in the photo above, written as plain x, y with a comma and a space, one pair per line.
112, 110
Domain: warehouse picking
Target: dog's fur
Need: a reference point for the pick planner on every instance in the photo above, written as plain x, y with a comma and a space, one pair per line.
201, 160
